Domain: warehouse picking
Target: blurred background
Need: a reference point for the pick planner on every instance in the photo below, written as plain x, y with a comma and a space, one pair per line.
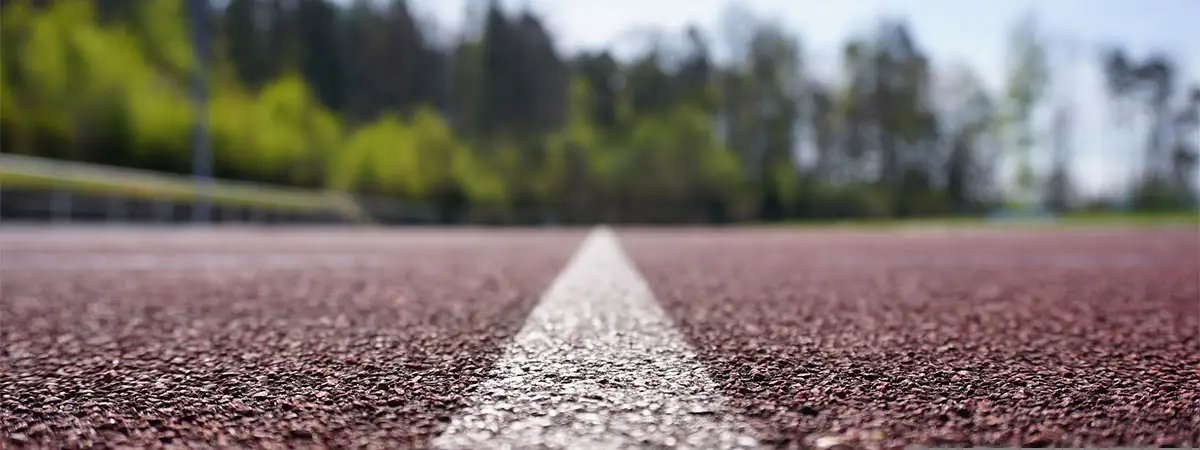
617, 111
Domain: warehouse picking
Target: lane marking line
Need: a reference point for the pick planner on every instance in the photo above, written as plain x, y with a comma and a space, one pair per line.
598, 364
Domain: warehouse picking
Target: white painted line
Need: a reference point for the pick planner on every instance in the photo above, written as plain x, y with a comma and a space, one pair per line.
597, 365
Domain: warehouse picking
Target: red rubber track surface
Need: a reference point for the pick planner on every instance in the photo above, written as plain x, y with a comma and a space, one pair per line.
376, 349
886, 339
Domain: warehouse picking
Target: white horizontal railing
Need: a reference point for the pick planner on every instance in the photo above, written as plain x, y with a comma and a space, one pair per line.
19, 171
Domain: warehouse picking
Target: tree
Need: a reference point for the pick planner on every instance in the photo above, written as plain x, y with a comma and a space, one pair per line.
1120, 84
363, 96
1156, 77
1167, 156
1026, 85
523, 81
905, 120
1186, 155
1058, 185
968, 117
697, 72
600, 74
319, 59
823, 122
245, 44
389, 64
761, 102
854, 109
1058, 192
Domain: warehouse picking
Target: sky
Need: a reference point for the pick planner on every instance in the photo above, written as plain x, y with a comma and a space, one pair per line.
952, 31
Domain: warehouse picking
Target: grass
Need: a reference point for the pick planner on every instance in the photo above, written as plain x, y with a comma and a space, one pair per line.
1145, 219
37, 173
1173, 219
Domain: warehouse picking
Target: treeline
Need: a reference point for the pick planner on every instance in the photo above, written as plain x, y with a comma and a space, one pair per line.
364, 97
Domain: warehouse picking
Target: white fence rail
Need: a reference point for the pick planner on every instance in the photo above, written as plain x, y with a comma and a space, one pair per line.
44, 189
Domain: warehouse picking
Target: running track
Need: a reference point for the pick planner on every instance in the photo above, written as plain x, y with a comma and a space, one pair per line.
626, 338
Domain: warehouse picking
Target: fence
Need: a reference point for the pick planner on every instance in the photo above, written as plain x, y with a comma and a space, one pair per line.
39, 190
36, 189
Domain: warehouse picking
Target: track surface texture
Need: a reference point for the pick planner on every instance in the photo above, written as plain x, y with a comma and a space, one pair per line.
986, 338
387, 339
203, 339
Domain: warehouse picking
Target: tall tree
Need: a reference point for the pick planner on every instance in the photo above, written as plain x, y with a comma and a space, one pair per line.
1058, 185
823, 122
1026, 85
696, 72
1120, 83
320, 60
855, 109
777, 86
1165, 153
281, 36
1058, 192
968, 117
906, 123
1186, 152
1157, 76
523, 79
600, 74
388, 61
245, 42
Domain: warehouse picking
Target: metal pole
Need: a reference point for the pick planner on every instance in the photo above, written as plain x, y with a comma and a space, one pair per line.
451, 80
164, 211
201, 154
116, 210
62, 204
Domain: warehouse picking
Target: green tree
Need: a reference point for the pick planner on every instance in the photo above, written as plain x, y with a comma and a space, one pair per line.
968, 118
1026, 85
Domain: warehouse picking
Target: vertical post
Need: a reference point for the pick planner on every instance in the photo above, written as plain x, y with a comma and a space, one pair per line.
115, 209
716, 82
449, 112
201, 156
163, 211
765, 110
62, 204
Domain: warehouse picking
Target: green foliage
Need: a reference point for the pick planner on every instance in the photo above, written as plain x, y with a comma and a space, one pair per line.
357, 99
1160, 195
1026, 85
373, 156
410, 160
853, 201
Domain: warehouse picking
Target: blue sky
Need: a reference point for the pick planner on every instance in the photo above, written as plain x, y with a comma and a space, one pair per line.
968, 31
